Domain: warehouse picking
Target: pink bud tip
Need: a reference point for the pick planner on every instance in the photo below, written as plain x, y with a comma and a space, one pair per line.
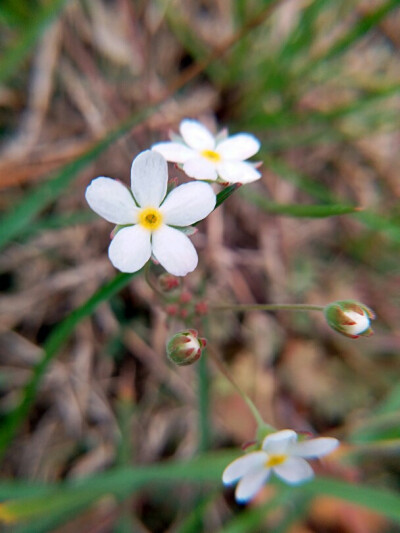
185, 297
171, 309
201, 308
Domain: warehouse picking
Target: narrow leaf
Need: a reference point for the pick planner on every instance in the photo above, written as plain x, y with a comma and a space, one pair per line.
298, 210
56, 339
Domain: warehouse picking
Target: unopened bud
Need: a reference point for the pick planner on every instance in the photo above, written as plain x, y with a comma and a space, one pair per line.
171, 309
184, 313
350, 318
201, 308
168, 282
185, 348
185, 297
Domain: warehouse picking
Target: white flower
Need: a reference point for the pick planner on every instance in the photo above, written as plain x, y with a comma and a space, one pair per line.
281, 454
206, 157
149, 218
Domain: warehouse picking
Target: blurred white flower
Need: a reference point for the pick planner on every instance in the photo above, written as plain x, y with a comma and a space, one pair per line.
149, 219
205, 157
282, 454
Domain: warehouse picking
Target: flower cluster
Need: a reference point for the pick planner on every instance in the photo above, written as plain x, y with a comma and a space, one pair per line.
154, 224
282, 454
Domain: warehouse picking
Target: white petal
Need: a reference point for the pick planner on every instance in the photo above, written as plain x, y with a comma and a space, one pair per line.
188, 204
279, 442
200, 168
111, 200
174, 251
149, 176
362, 323
238, 147
250, 484
253, 461
237, 172
294, 470
174, 152
196, 135
314, 447
130, 249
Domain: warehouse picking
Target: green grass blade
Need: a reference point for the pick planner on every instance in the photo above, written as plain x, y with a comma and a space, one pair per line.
382, 501
120, 482
374, 221
57, 338
298, 210
366, 23
30, 33
21, 216
204, 469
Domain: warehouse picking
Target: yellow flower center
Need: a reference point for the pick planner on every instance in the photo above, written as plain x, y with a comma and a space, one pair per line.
150, 218
212, 156
275, 460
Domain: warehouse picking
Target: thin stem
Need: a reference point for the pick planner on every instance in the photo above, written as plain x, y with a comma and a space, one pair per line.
150, 283
266, 307
203, 404
222, 368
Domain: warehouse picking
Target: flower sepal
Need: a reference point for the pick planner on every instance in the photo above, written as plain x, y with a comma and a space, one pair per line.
263, 431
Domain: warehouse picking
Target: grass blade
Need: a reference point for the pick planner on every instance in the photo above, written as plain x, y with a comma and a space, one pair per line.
17, 51
57, 338
16, 221
120, 482
297, 210
382, 501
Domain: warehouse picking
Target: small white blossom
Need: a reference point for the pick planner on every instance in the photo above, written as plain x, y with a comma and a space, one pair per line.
149, 218
280, 453
205, 157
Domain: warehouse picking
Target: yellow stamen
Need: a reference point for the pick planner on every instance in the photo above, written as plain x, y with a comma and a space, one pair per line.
275, 460
150, 218
212, 156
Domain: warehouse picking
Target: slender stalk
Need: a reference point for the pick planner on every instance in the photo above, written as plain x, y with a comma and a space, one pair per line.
266, 307
222, 368
203, 403
150, 283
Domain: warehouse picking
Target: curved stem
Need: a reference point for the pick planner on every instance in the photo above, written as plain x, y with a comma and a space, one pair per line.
222, 368
266, 307
150, 283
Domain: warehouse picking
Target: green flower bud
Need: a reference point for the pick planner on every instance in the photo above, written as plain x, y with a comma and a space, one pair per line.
185, 348
349, 318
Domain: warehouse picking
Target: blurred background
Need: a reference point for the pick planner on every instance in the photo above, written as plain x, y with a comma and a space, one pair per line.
85, 85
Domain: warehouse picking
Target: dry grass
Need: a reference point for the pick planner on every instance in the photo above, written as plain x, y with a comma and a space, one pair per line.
111, 382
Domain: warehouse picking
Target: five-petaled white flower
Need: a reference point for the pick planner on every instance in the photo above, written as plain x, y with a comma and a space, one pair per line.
205, 157
149, 219
282, 454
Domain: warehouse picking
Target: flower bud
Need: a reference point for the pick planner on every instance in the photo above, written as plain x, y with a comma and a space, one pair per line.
185, 348
168, 282
185, 297
201, 308
349, 318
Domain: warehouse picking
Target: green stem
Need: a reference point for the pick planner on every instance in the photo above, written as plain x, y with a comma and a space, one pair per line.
150, 283
204, 403
254, 411
266, 307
